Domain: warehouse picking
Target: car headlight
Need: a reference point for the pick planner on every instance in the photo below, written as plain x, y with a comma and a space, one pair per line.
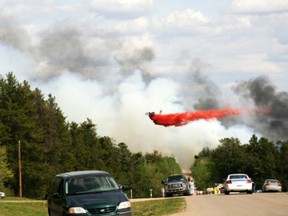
76, 210
124, 205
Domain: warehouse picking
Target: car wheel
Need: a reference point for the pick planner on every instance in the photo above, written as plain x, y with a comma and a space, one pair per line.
249, 192
227, 192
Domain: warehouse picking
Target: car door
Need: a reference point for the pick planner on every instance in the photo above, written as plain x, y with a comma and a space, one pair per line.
56, 197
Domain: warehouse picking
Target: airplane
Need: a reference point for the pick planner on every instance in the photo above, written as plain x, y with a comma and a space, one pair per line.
166, 119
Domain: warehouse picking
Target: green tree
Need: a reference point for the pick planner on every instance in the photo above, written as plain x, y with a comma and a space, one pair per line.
158, 168
5, 172
50, 145
17, 109
169, 166
203, 170
229, 157
124, 173
85, 145
283, 164
40, 127
109, 153
262, 159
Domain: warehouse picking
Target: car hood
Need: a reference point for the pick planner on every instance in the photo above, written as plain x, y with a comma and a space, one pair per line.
91, 200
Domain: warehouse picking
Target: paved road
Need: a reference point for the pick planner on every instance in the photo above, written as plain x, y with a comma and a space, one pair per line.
238, 204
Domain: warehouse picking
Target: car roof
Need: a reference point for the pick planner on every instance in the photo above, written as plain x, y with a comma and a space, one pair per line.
238, 174
176, 175
271, 180
82, 173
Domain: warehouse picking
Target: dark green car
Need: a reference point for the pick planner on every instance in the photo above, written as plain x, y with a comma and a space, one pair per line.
86, 193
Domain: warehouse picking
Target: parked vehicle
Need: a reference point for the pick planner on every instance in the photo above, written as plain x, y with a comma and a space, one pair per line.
87, 193
2, 195
272, 185
238, 182
176, 185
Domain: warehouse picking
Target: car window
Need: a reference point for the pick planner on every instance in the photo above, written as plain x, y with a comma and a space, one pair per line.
273, 181
89, 184
175, 178
238, 177
56, 185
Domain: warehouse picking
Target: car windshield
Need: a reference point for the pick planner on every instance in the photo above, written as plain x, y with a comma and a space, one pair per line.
90, 184
238, 177
175, 178
272, 181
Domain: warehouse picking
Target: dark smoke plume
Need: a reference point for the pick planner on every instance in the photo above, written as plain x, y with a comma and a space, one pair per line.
195, 85
136, 61
264, 94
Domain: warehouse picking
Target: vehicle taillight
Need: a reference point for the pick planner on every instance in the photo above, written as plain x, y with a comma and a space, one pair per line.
267, 183
279, 185
248, 181
229, 182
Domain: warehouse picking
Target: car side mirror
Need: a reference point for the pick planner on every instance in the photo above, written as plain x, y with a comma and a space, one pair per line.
162, 182
56, 195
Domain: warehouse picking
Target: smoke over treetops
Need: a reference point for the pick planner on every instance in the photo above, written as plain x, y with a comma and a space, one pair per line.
114, 81
263, 93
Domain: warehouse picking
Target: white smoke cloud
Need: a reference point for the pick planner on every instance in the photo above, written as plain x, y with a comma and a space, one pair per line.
121, 115
114, 62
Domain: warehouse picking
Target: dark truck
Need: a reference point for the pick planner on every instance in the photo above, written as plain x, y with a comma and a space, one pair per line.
176, 185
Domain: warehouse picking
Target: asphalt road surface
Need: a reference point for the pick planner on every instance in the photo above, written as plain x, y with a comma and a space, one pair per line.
237, 204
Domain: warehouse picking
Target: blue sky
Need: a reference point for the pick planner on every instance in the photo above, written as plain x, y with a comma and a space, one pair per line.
122, 58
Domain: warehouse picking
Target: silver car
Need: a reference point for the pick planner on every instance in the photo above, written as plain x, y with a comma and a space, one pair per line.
272, 185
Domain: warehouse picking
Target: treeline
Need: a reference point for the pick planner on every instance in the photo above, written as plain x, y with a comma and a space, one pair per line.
260, 159
51, 145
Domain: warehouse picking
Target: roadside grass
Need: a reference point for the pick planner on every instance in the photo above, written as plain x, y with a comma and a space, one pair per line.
16, 199
29, 207
23, 208
158, 207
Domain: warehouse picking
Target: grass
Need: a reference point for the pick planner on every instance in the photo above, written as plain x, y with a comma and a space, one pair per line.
159, 207
21, 207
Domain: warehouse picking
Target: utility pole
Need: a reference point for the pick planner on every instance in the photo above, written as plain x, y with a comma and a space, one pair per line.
20, 168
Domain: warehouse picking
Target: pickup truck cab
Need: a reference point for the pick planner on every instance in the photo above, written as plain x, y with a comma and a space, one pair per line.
176, 185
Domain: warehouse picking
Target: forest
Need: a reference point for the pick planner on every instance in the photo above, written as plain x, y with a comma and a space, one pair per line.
50, 145
261, 159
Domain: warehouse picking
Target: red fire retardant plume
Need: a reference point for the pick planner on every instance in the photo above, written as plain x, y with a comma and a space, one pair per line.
179, 119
